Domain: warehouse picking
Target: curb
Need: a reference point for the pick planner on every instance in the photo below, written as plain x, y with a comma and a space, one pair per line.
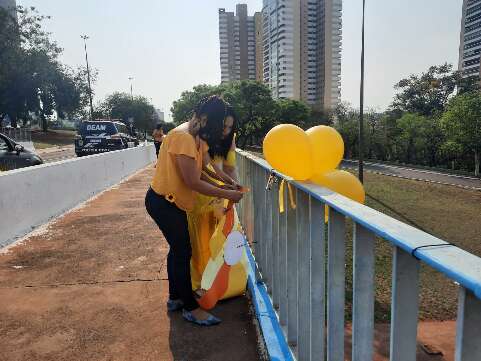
274, 338
420, 179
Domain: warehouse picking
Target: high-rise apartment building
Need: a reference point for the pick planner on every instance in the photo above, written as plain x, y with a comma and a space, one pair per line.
237, 35
470, 42
302, 50
10, 5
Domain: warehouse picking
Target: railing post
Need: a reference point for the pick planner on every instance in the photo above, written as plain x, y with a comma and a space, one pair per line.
283, 261
257, 218
363, 294
318, 281
267, 250
304, 276
468, 327
249, 212
292, 306
336, 286
404, 306
275, 245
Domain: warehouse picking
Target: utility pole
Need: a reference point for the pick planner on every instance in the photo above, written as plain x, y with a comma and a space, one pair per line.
85, 38
361, 110
131, 93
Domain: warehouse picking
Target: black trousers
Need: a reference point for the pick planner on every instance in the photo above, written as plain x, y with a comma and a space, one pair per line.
157, 148
172, 221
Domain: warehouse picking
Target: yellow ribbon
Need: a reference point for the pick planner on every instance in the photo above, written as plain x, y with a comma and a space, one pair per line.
292, 200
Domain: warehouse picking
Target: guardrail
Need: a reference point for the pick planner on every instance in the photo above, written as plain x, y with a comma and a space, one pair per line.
304, 272
18, 134
32, 196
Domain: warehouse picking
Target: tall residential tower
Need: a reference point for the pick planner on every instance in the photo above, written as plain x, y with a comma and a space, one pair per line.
302, 50
237, 35
470, 42
10, 5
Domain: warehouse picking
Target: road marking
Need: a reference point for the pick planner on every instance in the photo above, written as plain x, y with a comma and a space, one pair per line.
421, 179
414, 170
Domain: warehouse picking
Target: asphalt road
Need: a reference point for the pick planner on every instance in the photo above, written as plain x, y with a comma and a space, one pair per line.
417, 174
50, 155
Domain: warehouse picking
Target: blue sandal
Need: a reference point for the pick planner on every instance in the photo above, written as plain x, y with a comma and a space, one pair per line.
174, 305
211, 321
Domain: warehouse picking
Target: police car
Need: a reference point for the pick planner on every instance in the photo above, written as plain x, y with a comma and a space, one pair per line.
103, 136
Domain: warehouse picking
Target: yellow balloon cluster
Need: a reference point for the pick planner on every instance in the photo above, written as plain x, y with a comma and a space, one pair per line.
287, 149
313, 155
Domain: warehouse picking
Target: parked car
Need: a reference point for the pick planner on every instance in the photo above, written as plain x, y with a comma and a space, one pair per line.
103, 136
14, 155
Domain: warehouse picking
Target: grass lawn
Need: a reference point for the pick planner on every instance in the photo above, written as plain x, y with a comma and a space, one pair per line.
53, 138
450, 213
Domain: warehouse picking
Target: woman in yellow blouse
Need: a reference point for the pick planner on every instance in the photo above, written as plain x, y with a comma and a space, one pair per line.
220, 165
172, 194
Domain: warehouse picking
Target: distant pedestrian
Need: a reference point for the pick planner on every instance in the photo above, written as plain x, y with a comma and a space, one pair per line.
158, 136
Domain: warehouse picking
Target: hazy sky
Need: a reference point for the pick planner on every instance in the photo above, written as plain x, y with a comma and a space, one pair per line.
171, 45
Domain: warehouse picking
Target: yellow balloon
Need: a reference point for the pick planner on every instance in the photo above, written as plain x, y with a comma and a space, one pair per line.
287, 148
342, 182
327, 148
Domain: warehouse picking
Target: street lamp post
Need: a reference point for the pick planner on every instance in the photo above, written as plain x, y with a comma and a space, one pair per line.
85, 38
361, 110
131, 93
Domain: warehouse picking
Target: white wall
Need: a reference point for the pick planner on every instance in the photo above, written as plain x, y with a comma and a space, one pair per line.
32, 196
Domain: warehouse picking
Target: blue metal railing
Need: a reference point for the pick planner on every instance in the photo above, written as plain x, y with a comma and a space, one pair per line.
303, 280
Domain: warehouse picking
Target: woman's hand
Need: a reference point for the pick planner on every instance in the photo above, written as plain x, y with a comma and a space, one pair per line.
234, 196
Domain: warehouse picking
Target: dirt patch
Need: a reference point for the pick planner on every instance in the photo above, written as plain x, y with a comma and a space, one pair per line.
92, 287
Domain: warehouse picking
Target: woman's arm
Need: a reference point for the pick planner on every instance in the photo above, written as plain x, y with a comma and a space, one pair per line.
224, 177
230, 163
217, 174
231, 172
191, 175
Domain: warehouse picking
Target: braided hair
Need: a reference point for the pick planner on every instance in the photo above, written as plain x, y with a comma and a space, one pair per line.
222, 147
214, 108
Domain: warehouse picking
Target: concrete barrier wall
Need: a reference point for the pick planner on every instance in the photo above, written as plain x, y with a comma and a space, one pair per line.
30, 197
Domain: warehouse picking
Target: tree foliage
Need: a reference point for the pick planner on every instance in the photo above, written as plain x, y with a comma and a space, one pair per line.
434, 119
428, 93
462, 122
123, 106
256, 110
32, 78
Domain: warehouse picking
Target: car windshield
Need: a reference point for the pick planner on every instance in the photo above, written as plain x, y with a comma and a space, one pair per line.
97, 129
122, 128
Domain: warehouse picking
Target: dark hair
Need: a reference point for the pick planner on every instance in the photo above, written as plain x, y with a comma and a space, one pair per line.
214, 108
222, 146
159, 126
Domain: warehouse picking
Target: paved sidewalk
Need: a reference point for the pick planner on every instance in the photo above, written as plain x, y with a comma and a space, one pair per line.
93, 287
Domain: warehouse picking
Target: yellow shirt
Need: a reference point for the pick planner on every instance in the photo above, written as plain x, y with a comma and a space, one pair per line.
168, 179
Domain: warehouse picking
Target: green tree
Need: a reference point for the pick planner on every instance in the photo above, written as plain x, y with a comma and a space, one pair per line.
123, 106
182, 108
294, 112
252, 101
412, 136
462, 122
427, 94
255, 109
347, 124
32, 78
